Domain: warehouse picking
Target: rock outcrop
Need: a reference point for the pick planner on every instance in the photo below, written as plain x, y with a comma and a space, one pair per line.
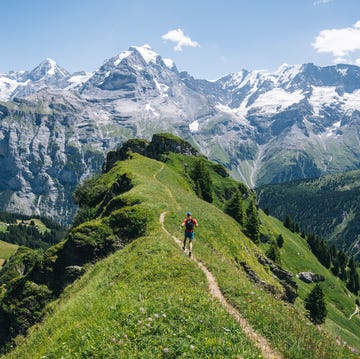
310, 277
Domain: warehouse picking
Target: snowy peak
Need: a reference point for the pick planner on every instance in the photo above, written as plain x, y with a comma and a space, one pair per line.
47, 69
146, 52
139, 69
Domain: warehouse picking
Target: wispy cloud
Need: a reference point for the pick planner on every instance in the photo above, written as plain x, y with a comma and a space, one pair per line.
319, 2
339, 42
180, 39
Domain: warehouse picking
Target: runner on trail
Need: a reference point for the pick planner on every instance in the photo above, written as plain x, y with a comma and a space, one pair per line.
189, 222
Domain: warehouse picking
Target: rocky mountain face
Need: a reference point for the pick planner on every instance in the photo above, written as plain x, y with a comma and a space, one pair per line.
56, 127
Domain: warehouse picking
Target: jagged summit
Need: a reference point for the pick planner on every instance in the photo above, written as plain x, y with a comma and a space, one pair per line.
47, 69
147, 53
138, 69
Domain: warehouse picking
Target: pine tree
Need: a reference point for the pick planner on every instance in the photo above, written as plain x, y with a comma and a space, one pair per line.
316, 306
324, 254
353, 282
295, 228
333, 252
336, 266
235, 209
203, 184
288, 222
252, 227
273, 253
280, 241
342, 257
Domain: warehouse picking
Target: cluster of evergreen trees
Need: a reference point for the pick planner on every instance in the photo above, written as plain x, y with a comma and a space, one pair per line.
29, 236
202, 181
248, 219
330, 257
26, 233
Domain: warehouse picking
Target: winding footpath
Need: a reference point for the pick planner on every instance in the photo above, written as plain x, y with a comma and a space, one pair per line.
260, 342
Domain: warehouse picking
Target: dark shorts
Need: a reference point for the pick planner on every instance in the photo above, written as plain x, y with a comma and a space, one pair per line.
189, 235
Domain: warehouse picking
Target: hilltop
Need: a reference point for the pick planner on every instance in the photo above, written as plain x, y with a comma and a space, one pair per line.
120, 286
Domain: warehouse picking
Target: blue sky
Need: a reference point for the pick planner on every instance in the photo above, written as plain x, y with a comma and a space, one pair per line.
207, 38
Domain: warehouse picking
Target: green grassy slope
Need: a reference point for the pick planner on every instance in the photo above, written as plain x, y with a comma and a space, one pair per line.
6, 250
296, 258
149, 300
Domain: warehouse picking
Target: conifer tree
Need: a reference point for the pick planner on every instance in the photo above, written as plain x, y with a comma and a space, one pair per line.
324, 254
288, 222
315, 305
336, 266
252, 227
295, 228
273, 253
342, 257
202, 180
234, 208
280, 241
353, 282
333, 252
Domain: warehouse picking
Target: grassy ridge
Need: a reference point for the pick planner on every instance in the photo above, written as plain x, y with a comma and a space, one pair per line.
218, 244
128, 307
146, 301
149, 300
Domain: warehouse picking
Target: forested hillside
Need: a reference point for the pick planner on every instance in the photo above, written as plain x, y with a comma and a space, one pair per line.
327, 206
30, 231
120, 286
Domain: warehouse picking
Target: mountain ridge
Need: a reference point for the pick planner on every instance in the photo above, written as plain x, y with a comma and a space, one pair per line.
301, 121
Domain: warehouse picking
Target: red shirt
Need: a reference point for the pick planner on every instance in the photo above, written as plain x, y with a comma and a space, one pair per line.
184, 224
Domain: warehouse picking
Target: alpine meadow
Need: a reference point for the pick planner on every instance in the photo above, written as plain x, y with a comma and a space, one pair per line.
120, 286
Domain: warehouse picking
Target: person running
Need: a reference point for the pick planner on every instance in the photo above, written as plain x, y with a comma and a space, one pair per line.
189, 222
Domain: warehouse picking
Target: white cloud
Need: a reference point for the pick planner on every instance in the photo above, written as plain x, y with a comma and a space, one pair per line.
339, 42
319, 2
180, 39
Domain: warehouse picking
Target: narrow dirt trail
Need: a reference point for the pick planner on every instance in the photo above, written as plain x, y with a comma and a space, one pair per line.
355, 312
260, 342
167, 189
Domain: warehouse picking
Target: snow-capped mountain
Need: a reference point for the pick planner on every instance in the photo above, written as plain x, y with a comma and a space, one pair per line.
305, 120
297, 122
48, 74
